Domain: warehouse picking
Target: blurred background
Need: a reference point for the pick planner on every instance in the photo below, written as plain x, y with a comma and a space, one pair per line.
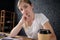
10, 15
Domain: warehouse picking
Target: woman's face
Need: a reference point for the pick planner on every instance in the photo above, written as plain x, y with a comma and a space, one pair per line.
26, 9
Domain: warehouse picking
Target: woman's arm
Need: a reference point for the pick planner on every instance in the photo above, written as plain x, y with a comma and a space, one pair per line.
16, 29
48, 26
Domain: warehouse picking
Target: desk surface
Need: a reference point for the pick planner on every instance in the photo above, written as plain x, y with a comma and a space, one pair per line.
18, 37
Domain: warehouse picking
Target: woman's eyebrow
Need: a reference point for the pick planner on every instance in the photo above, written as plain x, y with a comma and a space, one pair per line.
25, 5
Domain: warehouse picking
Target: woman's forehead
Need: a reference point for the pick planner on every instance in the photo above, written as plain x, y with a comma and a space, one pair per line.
23, 4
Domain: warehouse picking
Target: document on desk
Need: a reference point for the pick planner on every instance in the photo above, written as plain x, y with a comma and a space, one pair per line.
9, 38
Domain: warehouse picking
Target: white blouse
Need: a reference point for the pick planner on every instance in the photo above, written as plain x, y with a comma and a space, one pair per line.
39, 20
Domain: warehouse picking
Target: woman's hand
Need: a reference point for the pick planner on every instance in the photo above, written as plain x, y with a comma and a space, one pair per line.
24, 18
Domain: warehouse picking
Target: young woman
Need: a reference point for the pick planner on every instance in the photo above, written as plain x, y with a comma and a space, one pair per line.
31, 22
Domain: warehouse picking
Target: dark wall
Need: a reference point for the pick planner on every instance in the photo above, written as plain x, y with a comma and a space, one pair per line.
51, 8
7, 5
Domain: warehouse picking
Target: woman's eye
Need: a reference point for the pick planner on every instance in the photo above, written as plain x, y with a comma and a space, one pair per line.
21, 9
25, 6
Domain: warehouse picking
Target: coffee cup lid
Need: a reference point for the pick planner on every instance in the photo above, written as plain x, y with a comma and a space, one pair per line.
44, 31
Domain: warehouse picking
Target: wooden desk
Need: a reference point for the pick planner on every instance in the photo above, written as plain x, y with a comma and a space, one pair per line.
18, 37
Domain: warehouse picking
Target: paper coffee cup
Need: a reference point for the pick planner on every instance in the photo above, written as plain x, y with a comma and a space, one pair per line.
44, 34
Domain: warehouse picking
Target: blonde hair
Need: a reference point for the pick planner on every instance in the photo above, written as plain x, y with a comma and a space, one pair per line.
26, 1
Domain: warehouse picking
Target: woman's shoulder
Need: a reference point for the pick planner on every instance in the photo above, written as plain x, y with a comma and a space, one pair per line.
39, 15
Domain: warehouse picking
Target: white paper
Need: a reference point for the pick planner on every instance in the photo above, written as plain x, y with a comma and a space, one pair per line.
9, 38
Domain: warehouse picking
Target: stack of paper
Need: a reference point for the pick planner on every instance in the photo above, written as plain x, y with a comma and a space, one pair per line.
9, 38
